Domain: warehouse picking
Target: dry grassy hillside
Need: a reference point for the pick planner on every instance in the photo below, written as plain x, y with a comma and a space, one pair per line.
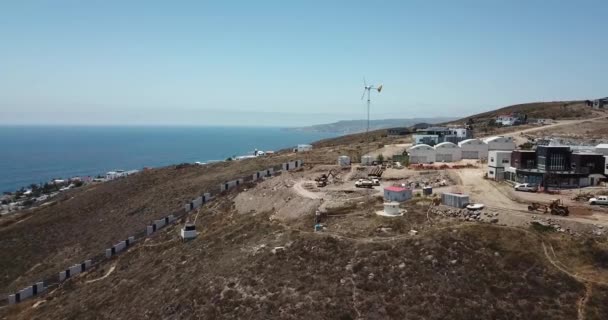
557, 110
84, 222
245, 266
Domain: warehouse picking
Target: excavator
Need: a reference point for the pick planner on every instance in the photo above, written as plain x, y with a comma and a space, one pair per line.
555, 207
322, 180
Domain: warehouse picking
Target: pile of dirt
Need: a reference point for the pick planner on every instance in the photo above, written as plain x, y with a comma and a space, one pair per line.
277, 196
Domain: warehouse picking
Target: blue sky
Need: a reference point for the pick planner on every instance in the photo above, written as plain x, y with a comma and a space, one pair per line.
291, 63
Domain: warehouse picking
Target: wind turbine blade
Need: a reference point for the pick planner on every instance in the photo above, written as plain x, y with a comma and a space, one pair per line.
363, 95
364, 82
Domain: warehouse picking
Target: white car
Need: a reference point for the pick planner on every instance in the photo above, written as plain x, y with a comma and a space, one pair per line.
526, 187
599, 200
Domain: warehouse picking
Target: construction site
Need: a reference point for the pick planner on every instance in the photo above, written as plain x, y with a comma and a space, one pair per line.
329, 232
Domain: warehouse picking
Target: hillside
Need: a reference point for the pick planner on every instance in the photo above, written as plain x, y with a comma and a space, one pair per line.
555, 110
357, 126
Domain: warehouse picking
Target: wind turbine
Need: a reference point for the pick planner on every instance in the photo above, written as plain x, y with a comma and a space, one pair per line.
367, 89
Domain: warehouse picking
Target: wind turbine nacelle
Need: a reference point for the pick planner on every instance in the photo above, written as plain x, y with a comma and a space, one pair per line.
379, 88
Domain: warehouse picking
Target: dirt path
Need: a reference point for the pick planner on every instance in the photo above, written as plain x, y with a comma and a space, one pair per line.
389, 150
300, 190
558, 124
583, 302
112, 268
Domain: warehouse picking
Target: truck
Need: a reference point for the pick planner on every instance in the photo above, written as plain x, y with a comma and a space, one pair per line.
364, 183
603, 200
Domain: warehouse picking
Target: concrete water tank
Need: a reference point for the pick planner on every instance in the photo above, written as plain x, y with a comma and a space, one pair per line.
391, 208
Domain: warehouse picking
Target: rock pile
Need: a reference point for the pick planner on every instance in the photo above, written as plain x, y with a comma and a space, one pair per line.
467, 215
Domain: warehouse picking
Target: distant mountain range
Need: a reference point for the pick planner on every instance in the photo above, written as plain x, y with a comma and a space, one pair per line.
356, 126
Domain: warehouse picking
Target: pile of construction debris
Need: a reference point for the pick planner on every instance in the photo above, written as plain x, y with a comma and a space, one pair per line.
552, 224
441, 179
467, 215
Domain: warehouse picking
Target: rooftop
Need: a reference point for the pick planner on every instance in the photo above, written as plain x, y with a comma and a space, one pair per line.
435, 129
395, 189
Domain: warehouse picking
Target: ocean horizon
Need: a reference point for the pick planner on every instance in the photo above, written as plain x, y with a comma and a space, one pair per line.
39, 153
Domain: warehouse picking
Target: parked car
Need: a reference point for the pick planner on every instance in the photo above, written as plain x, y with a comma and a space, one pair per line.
526, 187
599, 200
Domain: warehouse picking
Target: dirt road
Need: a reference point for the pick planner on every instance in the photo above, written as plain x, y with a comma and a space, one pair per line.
519, 139
497, 198
300, 190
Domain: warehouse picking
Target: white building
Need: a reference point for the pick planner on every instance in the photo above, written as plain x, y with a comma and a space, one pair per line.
422, 153
304, 147
506, 119
391, 209
602, 149
500, 143
447, 152
367, 160
431, 139
473, 149
459, 132
498, 161
344, 161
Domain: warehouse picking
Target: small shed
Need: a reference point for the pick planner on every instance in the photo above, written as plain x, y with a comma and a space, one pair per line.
455, 200
304, 147
473, 149
398, 194
422, 153
344, 161
447, 152
500, 143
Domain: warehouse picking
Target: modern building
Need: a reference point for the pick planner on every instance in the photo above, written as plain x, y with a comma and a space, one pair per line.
523, 159
498, 160
587, 163
500, 143
511, 119
556, 166
506, 119
304, 147
473, 149
397, 194
447, 152
435, 135
398, 131
430, 139
600, 103
421, 153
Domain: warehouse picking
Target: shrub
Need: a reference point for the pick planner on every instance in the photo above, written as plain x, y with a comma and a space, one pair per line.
541, 227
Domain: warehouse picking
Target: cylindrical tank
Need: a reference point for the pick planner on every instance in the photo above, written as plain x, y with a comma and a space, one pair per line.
391, 208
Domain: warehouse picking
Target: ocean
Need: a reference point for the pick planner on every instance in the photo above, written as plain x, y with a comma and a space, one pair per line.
37, 154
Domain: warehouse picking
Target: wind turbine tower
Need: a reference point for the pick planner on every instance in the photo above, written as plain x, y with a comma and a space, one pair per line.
368, 89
